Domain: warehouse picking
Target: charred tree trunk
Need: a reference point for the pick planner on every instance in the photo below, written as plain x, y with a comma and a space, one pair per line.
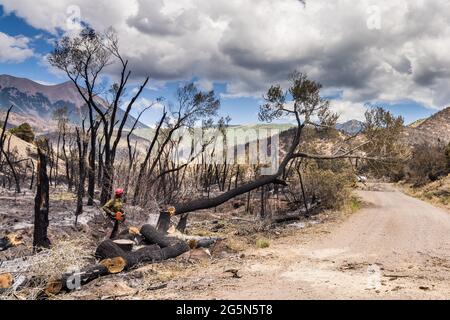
305, 201
93, 128
201, 204
182, 224
163, 222
137, 190
41, 204
149, 254
154, 236
82, 147
91, 171
13, 171
262, 213
32, 175
2, 135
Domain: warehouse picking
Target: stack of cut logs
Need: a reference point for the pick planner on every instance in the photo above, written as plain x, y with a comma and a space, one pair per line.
118, 255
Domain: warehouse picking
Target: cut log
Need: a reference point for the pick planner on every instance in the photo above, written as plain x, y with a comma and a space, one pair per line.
148, 254
74, 280
134, 231
114, 265
154, 236
6, 280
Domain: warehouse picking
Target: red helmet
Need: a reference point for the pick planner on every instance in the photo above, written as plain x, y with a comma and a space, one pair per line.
118, 192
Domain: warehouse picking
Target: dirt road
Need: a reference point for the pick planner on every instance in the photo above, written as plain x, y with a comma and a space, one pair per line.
396, 247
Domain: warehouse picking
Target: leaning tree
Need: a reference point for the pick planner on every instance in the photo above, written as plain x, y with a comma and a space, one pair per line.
303, 103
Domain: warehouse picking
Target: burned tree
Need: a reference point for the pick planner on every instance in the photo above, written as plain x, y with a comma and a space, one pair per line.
308, 109
82, 144
192, 106
84, 59
41, 200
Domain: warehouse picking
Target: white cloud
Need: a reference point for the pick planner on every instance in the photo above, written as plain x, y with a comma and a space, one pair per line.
14, 49
348, 110
142, 103
251, 44
205, 85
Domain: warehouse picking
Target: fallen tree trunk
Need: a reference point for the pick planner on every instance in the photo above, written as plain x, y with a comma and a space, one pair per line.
148, 254
74, 280
155, 236
201, 204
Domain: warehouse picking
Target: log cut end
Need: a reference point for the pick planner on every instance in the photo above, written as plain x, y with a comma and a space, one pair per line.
53, 287
124, 244
114, 265
134, 231
6, 280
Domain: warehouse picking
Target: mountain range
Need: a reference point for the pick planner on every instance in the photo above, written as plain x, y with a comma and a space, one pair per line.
435, 129
35, 103
350, 127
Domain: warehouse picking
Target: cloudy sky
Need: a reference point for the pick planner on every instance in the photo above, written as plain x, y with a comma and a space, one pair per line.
394, 53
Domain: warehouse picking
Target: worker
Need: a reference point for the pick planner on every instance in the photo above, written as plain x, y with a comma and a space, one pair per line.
115, 213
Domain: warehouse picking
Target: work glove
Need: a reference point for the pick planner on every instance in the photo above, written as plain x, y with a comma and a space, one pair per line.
120, 216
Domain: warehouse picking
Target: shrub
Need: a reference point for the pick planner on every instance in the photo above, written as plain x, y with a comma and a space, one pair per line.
24, 132
262, 243
427, 163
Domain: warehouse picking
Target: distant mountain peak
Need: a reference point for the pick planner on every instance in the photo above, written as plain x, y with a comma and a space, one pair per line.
350, 127
38, 101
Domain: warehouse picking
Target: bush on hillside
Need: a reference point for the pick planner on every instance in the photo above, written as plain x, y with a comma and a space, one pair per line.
427, 163
24, 132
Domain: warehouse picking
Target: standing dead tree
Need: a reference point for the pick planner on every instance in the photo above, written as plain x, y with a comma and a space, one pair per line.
83, 59
82, 145
192, 106
7, 153
2, 135
41, 200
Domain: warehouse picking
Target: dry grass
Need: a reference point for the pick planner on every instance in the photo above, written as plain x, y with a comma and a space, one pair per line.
436, 193
64, 256
352, 204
